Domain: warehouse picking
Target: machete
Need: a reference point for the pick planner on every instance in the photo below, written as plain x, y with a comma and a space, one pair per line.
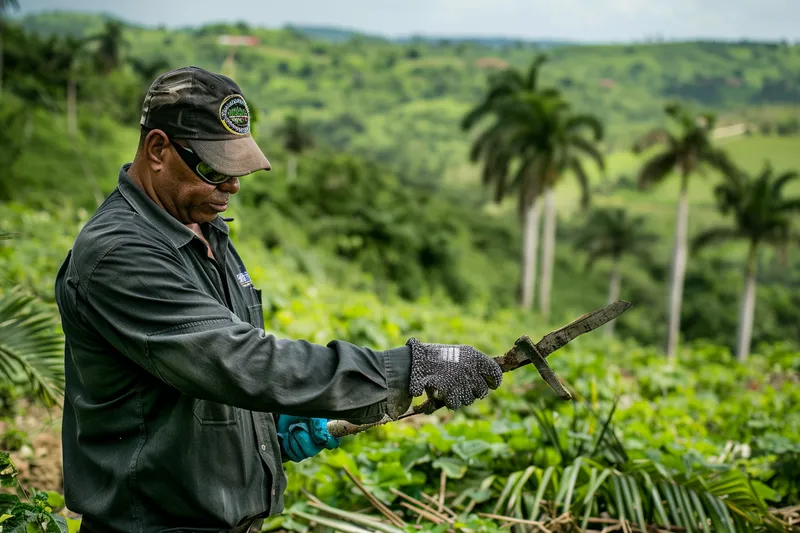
522, 353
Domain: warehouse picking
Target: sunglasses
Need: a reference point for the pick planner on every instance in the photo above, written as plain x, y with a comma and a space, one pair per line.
202, 169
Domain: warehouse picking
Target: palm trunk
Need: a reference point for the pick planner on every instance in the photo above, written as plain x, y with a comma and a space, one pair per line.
291, 168
548, 252
748, 307
613, 292
678, 272
530, 237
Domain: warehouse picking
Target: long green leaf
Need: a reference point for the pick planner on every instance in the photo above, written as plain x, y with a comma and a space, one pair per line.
686, 507
588, 500
619, 498
515, 500
637, 499
630, 504
548, 473
716, 514
698, 507
672, 502
656, 495
509, 486
576, 469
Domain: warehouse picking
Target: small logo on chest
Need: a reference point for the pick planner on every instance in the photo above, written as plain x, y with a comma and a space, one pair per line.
244, 278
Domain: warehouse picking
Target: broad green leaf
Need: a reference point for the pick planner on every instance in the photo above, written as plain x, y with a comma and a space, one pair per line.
454, 468
471, 448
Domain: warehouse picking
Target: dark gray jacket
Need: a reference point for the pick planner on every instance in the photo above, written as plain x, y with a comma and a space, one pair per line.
172, 384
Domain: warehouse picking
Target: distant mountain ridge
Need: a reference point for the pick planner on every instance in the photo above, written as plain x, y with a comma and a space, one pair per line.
401, 99
46, 22
338, 34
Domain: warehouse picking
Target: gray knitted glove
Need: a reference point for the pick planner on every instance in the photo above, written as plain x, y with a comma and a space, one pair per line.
456, 374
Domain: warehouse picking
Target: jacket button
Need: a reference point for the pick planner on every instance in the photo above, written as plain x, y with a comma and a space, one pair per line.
264, 447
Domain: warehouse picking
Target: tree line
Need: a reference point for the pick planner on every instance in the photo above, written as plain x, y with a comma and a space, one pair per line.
534, 137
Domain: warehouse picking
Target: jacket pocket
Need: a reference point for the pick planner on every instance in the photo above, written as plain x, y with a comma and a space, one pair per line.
255, 314
214, 414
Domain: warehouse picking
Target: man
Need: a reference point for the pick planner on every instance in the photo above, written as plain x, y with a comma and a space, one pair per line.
180, 408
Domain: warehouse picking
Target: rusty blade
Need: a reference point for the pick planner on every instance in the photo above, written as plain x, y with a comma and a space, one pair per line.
586, 323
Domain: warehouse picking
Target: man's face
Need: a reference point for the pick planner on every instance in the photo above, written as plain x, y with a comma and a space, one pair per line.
186, 196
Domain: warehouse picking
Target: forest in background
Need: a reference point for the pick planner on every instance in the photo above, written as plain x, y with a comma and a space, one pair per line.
374, 226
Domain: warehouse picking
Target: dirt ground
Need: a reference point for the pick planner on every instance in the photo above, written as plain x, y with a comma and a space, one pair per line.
39, 459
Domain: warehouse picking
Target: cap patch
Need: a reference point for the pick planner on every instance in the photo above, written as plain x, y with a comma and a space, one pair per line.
235, 115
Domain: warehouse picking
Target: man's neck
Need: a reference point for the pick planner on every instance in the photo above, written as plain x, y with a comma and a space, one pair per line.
195, 227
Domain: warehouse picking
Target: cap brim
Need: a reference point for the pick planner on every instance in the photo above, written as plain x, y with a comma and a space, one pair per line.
234, 157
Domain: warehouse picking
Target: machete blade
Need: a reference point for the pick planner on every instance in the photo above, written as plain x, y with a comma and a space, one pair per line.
586, 323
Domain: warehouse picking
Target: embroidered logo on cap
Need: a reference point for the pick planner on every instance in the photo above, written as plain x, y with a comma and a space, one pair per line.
235, 115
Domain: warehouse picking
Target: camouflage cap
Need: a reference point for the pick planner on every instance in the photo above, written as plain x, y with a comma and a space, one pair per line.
209, 111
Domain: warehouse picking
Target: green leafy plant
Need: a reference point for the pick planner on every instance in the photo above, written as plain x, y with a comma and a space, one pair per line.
29, 514
595, 483
31, 351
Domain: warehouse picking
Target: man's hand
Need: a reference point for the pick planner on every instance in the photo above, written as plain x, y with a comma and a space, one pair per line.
456, 374
301, 437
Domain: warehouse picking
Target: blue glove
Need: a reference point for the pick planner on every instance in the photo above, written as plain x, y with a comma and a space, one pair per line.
301, 437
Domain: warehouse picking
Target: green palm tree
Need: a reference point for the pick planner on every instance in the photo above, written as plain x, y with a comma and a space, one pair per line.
491, 147
612, 233
297, 138
686, 153
762, 215
108, 55
548, 139
508, 83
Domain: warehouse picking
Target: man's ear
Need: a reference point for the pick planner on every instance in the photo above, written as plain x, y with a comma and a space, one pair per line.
156, 146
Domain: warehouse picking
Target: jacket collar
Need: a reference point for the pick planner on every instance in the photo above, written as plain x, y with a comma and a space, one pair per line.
179, 234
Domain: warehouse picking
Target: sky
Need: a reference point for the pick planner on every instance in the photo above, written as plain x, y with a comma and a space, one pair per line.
574, 20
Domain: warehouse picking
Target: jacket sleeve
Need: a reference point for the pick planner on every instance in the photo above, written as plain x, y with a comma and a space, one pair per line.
141, 300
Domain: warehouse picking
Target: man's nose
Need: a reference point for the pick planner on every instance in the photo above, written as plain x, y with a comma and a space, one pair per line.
231, 186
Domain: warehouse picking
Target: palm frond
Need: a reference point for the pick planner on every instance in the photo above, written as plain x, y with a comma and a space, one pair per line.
475, 114
533, 72
657, 168
789, 205
782, 180
653, 137
577, 122
589, 149
583, 180
715, 236
31, 352
642, 494
719, 160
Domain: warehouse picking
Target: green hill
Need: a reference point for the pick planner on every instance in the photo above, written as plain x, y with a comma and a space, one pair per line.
385, 233
408, 217
400, 103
